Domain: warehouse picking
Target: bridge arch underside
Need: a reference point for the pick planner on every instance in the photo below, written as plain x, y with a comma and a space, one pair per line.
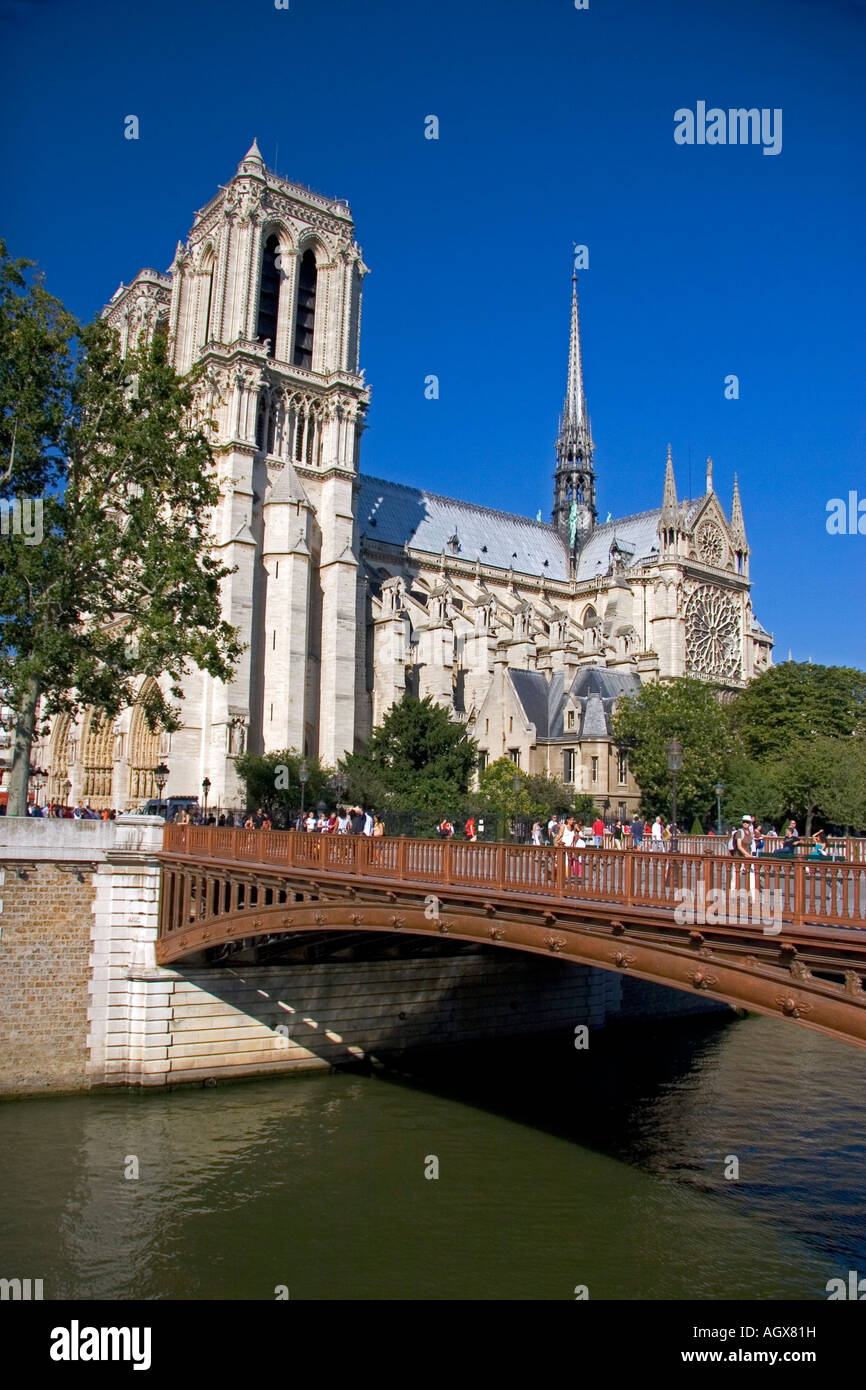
798, 977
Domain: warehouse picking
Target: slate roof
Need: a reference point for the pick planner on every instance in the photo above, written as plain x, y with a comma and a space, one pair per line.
594, 689
636, 534
598, 680
401, 515
540, 699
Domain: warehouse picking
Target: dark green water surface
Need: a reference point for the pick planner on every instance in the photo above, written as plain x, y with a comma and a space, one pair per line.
557, 1168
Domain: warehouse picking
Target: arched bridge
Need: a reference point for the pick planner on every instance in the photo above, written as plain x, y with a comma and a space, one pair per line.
782, 937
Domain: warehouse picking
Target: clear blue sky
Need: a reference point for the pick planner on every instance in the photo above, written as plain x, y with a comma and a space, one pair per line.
556, 126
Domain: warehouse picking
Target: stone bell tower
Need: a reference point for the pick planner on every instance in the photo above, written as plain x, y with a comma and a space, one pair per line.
266, 304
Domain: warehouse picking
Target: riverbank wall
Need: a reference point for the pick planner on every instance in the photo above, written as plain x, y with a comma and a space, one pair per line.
83, 1004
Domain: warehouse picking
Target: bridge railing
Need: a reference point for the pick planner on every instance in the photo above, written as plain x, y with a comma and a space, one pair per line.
851, 848
705, 887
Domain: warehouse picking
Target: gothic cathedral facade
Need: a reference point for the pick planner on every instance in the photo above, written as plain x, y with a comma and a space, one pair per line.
350, 590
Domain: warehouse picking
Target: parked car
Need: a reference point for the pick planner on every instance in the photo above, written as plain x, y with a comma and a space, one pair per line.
169, 808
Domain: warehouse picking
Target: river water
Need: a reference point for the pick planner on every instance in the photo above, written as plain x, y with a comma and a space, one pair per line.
557, 1169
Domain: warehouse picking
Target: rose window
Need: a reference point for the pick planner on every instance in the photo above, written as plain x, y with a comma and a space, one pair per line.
712, 634
711, 547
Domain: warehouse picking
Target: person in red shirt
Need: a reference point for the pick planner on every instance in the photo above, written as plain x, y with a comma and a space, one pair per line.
470, 829
598, 832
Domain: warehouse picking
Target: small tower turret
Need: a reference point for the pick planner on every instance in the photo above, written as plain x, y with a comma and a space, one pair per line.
738, 532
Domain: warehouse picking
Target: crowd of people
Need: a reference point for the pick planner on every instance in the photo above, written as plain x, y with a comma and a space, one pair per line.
748, 840
55, 811
347, 820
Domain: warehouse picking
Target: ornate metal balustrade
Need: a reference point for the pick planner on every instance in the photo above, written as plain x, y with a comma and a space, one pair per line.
783, 936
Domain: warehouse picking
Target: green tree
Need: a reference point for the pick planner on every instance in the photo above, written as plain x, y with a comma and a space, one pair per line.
796, 701
584, 807
418, 759
818, 778
272, 781
122, 584
535, 797
751, 788
845, 800
646, 722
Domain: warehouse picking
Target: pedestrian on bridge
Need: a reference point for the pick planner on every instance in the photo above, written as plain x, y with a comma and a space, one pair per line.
636, 829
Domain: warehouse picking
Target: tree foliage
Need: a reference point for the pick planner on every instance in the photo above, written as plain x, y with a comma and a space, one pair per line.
798, 733
535, 797
797, 701
272, 781
418, 759
122, 584
646, 722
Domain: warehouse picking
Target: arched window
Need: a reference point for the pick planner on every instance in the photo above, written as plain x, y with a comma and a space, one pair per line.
211, 271
269, 294
306, 316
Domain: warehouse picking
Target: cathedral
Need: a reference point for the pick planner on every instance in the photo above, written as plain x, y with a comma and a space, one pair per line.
350, 590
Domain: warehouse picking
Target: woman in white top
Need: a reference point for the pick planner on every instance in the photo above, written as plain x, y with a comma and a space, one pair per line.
566, 838
581, 839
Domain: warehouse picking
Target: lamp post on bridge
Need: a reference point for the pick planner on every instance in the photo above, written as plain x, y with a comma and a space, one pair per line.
674, 751
719, 788
303, 778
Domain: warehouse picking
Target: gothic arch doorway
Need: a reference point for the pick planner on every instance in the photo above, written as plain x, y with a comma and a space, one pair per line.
143, 749
96, 758
59, 758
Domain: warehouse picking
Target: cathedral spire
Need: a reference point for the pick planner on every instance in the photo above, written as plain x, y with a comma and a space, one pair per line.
670, 521
574, 509
738, 526
574, 409
669, 498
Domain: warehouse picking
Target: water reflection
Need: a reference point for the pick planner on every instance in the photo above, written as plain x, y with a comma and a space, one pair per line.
557, 1168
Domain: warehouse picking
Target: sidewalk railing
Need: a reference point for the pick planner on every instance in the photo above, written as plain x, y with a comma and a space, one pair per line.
791, 890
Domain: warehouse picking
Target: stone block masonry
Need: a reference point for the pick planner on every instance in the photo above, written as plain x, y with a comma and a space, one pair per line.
45, 948
78, 913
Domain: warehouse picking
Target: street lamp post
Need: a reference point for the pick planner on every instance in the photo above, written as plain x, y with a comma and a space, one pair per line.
37, 777
303, 778
719, 788
515, 786
67, 788
160, 777
205, 788
674, 752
